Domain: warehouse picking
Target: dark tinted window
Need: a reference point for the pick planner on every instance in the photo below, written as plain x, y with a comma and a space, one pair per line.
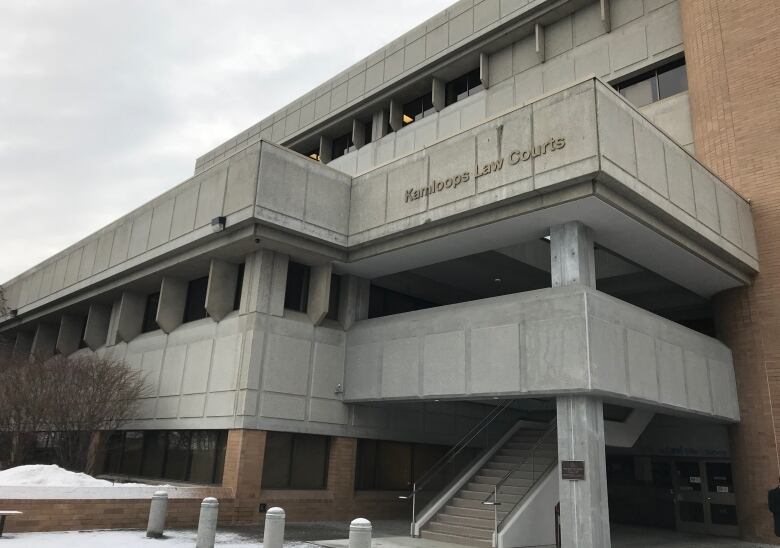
385, 302
660, 83
335, 294
150, 313
342, 145
239, 287
295, 461
82, 342
297, 291
672, 81
195, 308
417, 109
463, 86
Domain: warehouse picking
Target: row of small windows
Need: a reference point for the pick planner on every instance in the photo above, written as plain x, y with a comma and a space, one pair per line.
296, 293
654, 85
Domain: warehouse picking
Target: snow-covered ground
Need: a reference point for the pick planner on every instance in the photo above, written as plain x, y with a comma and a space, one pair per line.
50, 475
127, 539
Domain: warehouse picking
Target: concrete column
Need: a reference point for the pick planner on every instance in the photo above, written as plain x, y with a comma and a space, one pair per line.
360, 533
221, 290
44, 340
69, 335
539, 42
571, 255
173, 299
243, 471
113, 323
278, 284
379, 125
353, 300
606, 20
358, 133
257, 281
396, 115
326, 149
584, 509
96, 330
484, 74
207, 523
438, 94
22, 345
319, 292
273, 532
130, 316
157, 511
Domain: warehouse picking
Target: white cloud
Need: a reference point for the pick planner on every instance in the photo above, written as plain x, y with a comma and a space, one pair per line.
105, 104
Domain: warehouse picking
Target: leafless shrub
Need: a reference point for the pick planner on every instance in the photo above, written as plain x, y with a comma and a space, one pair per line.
62, 401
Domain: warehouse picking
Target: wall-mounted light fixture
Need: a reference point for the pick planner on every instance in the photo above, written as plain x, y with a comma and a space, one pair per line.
218, 224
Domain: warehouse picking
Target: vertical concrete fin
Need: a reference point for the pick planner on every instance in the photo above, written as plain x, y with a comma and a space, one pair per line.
45, 340
438, 94
69, 335
539, 43
353, 300
358, 133
396, 115
221, 289
22, 345
173, 299
96, 330
571, 255
319, 292
606, 20
278, 285
484, 70
130, 316
379, 125
257, 281
326, 149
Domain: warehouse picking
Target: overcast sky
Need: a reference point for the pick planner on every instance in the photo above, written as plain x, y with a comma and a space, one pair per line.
105, 104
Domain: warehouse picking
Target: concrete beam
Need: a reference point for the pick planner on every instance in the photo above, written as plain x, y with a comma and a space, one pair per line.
96, 330
438, 94
221, 289
319, 292
539, 42
571, 255
69, 335
353, 300
396, 115
130, 316
45, 340
379, 125
584, 508
22, 344
326, 149
173, 299
358, 133
484, 70
606, 19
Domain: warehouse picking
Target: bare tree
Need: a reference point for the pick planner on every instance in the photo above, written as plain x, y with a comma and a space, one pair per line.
63, 401
3, 302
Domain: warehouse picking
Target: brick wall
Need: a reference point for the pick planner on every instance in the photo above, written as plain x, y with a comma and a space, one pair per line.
734, 78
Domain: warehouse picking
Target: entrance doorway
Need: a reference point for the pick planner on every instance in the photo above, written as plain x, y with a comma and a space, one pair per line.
704, 497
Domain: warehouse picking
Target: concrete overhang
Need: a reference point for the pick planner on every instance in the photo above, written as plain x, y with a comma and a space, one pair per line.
541, 343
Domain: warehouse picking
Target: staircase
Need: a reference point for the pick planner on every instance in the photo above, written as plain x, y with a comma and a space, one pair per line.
515, 467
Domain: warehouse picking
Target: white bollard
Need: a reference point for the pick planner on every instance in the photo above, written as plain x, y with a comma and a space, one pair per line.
157, 511
360, 533
207, 523
273, 533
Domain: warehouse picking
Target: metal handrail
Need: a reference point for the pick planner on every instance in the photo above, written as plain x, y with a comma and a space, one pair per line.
453, 452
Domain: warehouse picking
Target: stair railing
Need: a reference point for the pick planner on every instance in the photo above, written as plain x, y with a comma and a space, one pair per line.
492, 498
450, 455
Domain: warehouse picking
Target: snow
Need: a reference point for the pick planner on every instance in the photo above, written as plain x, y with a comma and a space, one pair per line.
51, 475
127, 539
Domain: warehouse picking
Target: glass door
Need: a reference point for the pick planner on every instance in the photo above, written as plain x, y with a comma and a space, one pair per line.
689, 496
704, 497
720, 498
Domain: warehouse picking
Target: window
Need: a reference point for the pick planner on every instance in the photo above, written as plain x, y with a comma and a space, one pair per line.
150, 313
314, 154
656, 84
417, 109
295, 461
463, 86
342, 145
239, 287
195, 307
385, 302
296, 294
369, 130
335, 294
182, 455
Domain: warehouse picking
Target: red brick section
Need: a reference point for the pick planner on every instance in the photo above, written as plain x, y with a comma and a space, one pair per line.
243, 471
732, 50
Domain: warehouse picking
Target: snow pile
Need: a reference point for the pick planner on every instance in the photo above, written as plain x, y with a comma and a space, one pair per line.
48, 475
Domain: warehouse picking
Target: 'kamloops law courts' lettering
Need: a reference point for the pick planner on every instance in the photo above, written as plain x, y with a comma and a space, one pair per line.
515, 157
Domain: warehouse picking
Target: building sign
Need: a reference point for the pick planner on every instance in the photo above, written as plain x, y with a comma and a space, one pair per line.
513, 158
573, 469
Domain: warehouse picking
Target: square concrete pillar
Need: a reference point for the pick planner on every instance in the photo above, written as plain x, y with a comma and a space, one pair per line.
243, 471
45, 340
379, 125
22, 345
173, 299
438, 94
584, 508
353, 300
221, 290
69, 336
278, 285
571, 255
96, 330
326, 149
319, 292
257, 281
358, 133
396, 115
130, 316
539, 42
484, 74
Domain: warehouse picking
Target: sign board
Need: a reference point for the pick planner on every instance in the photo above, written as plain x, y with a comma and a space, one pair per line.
573, 469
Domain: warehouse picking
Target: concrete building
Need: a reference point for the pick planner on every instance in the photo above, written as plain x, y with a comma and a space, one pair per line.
528, 231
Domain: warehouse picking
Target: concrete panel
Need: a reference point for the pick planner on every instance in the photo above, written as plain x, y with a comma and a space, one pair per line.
227, 357
151, 365
558, 37
221, 290
196, 368
72, 271
485, 13
558, 351
167, 408
608, 364
161, 224
280, 406
642, 369
616, 130
58, 280
461, 26
130, 316
368, 201
328, 370
723, 388
88, 259
221, 404
501, 98
328, 411
192, 406
282, 184
516, 137
96, 330
587, 23
671, 373
495, 358
501, 65
727, 201
591, 60
394, 65
46, 279
286, 365
678, 170
121, 243
139, 235
69, 335
400, 367
664, 31
651, 164
697, 382
627, 46
414, 53
327, 201
103, 254
409, 175
706, 199
444, 363
241, 186
363, 376
625, 11
184, 207
525, 55
374, 75
338, 96
173, 299
448, 161
172, 370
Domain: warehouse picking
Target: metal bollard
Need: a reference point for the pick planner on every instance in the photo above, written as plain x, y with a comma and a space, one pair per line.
360, 533
207, 523
273, 533
157, 511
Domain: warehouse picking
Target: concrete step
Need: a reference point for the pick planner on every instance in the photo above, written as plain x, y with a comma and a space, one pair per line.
486, 512
455, 539
515, 480
460, 530
503, 497
454, 519
487, 488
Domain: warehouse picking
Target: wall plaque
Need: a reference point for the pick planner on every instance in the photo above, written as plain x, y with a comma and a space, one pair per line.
573, 469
